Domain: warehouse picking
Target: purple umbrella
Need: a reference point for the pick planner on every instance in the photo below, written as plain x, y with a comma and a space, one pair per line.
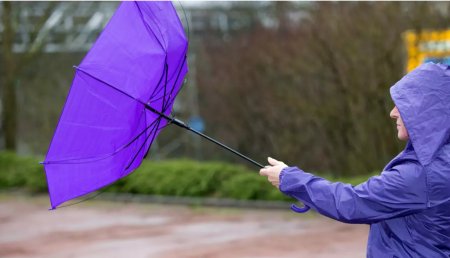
121, 98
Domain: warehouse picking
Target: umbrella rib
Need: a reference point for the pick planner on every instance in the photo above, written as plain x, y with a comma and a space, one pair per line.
109, 85
59, 121
157, 87
181, 64
158, 25
148, 26
152, 133
154, 136
175, 83
165, 86
166, 105
92, 159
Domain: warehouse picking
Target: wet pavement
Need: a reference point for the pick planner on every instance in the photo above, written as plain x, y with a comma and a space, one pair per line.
112, 229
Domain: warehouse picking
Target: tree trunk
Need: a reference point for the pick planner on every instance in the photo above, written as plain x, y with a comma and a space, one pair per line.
9, 100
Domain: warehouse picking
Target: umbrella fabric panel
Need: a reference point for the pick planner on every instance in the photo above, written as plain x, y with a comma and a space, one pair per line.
64, 186
105, 129
96, 140
97, 120
135, 55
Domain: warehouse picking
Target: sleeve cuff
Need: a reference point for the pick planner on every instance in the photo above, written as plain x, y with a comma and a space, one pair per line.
282, 174
289, 175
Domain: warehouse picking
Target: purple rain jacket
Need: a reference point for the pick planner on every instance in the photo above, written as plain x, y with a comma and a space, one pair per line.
408, 204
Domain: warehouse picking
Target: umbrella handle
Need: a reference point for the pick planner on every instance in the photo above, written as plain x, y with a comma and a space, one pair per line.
297, 209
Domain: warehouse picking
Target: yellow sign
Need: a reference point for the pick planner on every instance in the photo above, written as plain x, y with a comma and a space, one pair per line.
426, 46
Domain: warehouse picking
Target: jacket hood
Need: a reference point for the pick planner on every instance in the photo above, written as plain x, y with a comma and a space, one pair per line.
423, 100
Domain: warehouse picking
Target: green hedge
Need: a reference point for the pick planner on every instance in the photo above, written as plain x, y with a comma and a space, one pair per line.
170, 177
198, 179
21, 172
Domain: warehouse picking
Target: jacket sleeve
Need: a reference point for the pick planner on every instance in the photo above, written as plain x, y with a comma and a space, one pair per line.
400, 191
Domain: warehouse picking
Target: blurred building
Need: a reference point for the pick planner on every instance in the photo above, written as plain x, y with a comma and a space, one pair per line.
71, 28
74, 26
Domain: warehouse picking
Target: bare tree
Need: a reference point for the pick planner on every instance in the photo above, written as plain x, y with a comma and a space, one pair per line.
13, 64
317, 93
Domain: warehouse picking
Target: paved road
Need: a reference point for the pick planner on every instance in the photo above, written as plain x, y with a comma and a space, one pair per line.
108, 229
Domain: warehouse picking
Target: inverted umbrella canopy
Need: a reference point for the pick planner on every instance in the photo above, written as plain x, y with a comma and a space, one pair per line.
121, 98
105, 128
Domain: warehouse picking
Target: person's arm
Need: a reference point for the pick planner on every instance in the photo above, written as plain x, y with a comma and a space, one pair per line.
397, 192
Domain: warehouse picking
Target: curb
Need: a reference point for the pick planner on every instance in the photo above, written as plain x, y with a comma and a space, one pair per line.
194, 201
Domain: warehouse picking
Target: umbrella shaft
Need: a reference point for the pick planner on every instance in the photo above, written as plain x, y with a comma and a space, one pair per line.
185, 126
226, 147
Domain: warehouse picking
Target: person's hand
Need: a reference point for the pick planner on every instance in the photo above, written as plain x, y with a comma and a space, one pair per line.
272, 171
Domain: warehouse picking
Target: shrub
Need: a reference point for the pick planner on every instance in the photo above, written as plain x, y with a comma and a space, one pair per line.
18, 171
250, 187
180, 178
170, 177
